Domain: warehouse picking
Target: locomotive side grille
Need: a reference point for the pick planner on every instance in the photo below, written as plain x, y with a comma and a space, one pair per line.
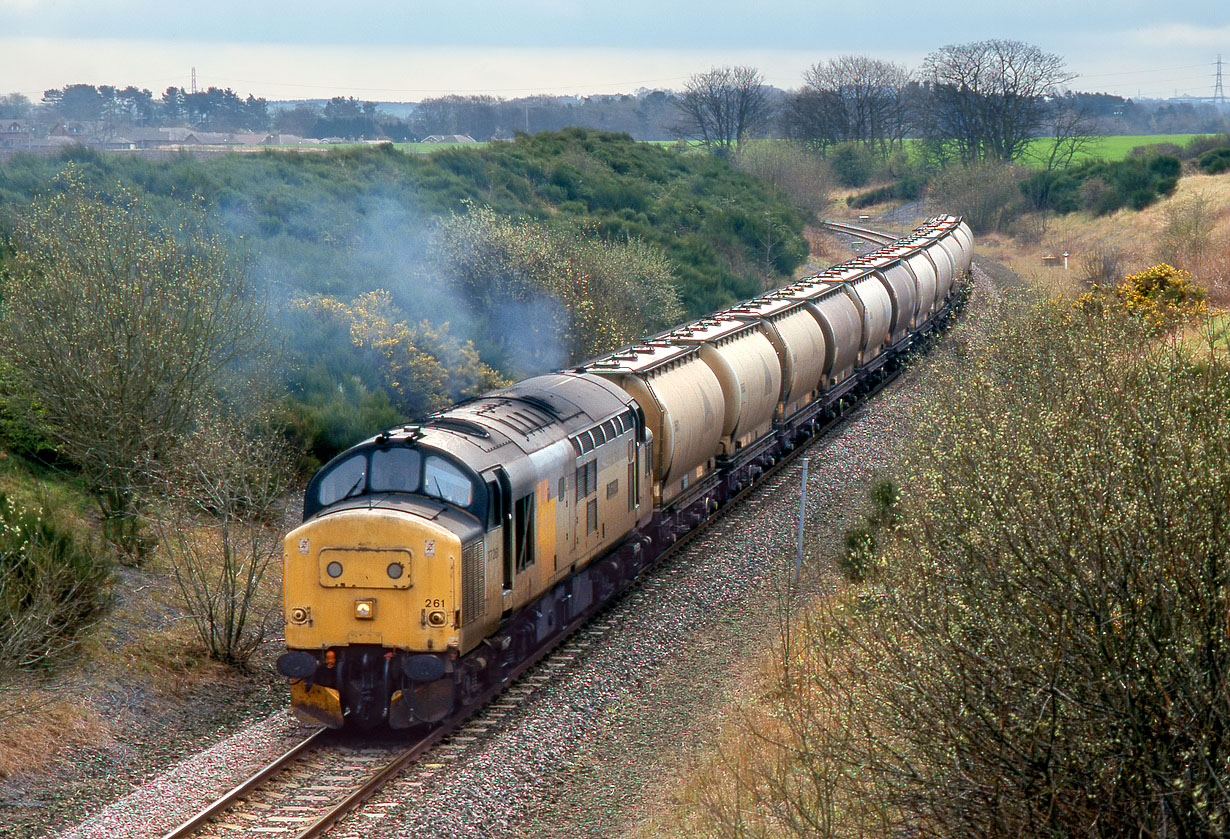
473, 582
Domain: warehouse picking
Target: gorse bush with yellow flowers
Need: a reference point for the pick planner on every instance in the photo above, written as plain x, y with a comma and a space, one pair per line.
1162, 296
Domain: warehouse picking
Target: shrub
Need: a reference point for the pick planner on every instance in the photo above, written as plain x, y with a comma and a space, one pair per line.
987, 195
853, 163
1042, 652
804, 178
859, 558
223, 493
52, 586
1162, 296
1216, 161
1197, 146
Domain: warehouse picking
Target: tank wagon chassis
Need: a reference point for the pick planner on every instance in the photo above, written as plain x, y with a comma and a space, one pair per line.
342, 676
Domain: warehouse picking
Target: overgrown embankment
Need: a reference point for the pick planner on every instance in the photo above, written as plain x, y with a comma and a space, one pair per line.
1040, 646
607, 239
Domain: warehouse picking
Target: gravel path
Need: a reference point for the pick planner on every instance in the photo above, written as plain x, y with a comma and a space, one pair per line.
593, 753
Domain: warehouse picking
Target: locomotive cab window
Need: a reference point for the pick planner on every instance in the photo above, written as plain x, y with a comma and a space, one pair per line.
344, 480
398, 469
395, 470
447, 482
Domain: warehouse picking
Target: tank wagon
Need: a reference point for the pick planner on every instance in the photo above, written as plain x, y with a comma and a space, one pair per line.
436, 558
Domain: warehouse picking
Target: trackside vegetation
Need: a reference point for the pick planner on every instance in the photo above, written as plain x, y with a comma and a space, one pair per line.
180, 336
1039, 647
338, 225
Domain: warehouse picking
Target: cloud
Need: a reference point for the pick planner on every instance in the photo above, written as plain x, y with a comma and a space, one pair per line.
1181, 35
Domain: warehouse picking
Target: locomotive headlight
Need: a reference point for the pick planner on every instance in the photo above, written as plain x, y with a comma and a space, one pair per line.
364, 610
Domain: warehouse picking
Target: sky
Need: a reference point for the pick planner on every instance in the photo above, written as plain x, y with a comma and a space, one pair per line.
408, 51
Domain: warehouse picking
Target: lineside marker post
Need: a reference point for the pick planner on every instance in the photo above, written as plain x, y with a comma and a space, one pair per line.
798, 557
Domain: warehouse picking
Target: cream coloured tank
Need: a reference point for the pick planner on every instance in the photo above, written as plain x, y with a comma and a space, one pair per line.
798, 340
899, 282
923, 268
683, 404
841, 323
748, 369
966, 239
874, 304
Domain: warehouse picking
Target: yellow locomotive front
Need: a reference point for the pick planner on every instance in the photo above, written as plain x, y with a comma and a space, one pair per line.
370, 580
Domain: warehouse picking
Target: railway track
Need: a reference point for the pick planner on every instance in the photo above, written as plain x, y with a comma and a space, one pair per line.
327, 776
873, 236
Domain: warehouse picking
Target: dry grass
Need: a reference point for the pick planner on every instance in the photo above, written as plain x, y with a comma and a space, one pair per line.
38, 726
1136, 239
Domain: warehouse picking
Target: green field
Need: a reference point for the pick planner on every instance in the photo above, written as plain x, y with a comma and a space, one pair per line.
1105, 148
1117, 148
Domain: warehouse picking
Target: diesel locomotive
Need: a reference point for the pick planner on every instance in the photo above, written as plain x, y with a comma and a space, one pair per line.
436, 558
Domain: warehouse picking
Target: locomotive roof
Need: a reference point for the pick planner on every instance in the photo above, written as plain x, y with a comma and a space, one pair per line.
505, 424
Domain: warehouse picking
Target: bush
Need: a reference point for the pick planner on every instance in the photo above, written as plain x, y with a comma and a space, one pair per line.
1102, 188
804, 178
52, 586
1197, 146
853, 163
1162, 296
224, 493
987, 195
1216, 161
908, 187
859, 558
1043, 650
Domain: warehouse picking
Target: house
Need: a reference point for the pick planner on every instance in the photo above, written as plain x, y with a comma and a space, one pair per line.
449, 138
16, 134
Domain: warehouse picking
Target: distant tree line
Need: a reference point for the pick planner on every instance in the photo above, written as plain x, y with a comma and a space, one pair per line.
644, 116
959, 91
984, 101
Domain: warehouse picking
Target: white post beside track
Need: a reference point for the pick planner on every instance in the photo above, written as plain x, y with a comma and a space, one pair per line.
798, 557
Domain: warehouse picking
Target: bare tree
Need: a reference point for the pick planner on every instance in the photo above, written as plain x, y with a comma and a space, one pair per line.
115, 327
724, 107
988, 99
852, 98
223, 489
1072, 128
